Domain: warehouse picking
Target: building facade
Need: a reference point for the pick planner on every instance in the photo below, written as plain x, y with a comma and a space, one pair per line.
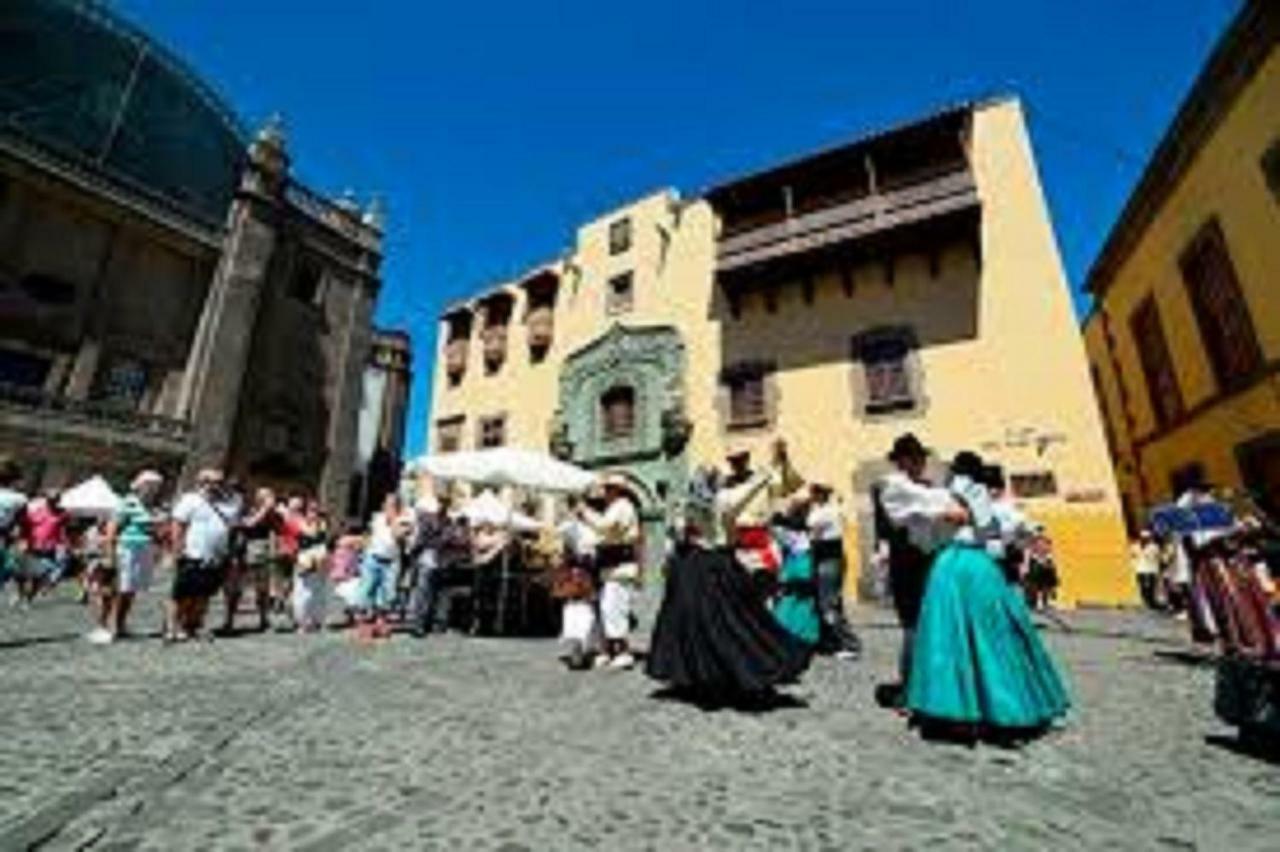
170, 295
380, 435
1185, 351
906, 281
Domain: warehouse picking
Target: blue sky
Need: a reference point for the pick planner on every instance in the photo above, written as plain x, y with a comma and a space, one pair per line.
493, 129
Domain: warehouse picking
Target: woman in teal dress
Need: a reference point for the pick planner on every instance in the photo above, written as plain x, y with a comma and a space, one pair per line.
979, 663
796, 606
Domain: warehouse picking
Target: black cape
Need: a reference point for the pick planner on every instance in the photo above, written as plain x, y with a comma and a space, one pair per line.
714, 634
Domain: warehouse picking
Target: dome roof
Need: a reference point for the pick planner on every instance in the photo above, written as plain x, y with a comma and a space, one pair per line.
80, 82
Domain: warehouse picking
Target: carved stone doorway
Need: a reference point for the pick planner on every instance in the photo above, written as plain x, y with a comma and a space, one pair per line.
622, 411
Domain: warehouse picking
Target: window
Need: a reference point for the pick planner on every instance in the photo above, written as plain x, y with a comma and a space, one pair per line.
620, 297
449, 435
1221, 312
886, 366
620, 236
22, 369
1041, 483
1108, 427
1271, 169
1157, 367
493, 431
618, 412
48, 290
748, 397
121, 380
308, 275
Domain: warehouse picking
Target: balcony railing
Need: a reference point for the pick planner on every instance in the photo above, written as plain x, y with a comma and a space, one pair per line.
54, 410
327, 212
848, 222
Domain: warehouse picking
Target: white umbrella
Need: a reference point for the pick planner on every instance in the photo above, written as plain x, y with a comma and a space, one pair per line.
488, 508
93, 497
503, 466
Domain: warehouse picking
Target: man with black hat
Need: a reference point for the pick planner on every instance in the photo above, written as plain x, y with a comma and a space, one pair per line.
907, 507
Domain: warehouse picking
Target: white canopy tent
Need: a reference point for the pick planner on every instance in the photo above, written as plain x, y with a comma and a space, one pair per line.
508, 466
92, 498
502, 467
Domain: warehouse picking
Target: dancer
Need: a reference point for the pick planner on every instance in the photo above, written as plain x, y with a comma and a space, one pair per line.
618, 561
715, 641
796, 605
575, 587
979, 667
906, 509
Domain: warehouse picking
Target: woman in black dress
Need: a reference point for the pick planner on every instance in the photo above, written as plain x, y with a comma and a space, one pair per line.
715, 641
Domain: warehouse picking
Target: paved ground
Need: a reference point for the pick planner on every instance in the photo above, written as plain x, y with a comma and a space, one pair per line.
318, 743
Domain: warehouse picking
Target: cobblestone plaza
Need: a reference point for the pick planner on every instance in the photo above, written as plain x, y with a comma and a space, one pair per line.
320, 743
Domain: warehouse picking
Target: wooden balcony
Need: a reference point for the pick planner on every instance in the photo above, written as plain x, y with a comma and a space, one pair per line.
846, 224
541, 327
494, 339
455, 356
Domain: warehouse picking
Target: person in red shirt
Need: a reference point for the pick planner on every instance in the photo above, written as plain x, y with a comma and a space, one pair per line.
288, 535
44, 529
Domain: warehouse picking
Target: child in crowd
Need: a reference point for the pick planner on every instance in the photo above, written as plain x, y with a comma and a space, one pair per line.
344, 570
309, 587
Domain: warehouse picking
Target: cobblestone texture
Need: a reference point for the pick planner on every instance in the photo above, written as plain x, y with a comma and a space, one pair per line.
320, 743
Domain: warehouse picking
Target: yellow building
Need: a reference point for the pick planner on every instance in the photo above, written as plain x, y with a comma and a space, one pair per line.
908, 280
1183, 347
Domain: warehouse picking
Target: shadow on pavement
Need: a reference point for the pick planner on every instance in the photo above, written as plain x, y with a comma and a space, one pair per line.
758, 703
1267, 751
35, 641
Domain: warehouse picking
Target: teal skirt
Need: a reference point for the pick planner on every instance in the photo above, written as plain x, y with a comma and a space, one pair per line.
977, 656
796, 607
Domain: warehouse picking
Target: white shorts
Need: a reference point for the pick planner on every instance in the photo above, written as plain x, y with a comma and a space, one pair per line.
615, 609
578, 623
134, 567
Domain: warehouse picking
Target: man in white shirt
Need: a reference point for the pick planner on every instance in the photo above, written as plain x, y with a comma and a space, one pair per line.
910, 515
826, 531
618, 561
202, 522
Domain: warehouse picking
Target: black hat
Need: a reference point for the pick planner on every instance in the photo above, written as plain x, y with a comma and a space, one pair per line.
968, 463
907, 446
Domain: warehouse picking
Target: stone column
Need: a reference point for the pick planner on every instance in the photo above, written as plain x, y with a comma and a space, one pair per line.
219, 356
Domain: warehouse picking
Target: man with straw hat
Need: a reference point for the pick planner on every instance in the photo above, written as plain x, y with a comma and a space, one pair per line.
618, 563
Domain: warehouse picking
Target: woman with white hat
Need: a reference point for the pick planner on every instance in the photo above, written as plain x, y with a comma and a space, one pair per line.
131, 551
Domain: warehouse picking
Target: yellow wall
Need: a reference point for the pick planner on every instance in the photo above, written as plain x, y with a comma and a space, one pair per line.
1002, 361
1224, 180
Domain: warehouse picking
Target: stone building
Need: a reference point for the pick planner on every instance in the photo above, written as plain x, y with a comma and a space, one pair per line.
1183, 339
909, 280
170, 295
380, 435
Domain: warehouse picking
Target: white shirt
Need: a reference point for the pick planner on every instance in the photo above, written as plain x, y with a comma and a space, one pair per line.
1011, 524
826, 521
383, 543
1146, 559
918, 509
579, 539
10, 503
207, 529
619, 524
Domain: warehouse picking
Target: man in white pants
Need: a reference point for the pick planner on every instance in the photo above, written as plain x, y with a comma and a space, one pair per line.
617, 559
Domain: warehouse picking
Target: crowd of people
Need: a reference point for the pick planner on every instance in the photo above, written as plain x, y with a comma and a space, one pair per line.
754, 577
